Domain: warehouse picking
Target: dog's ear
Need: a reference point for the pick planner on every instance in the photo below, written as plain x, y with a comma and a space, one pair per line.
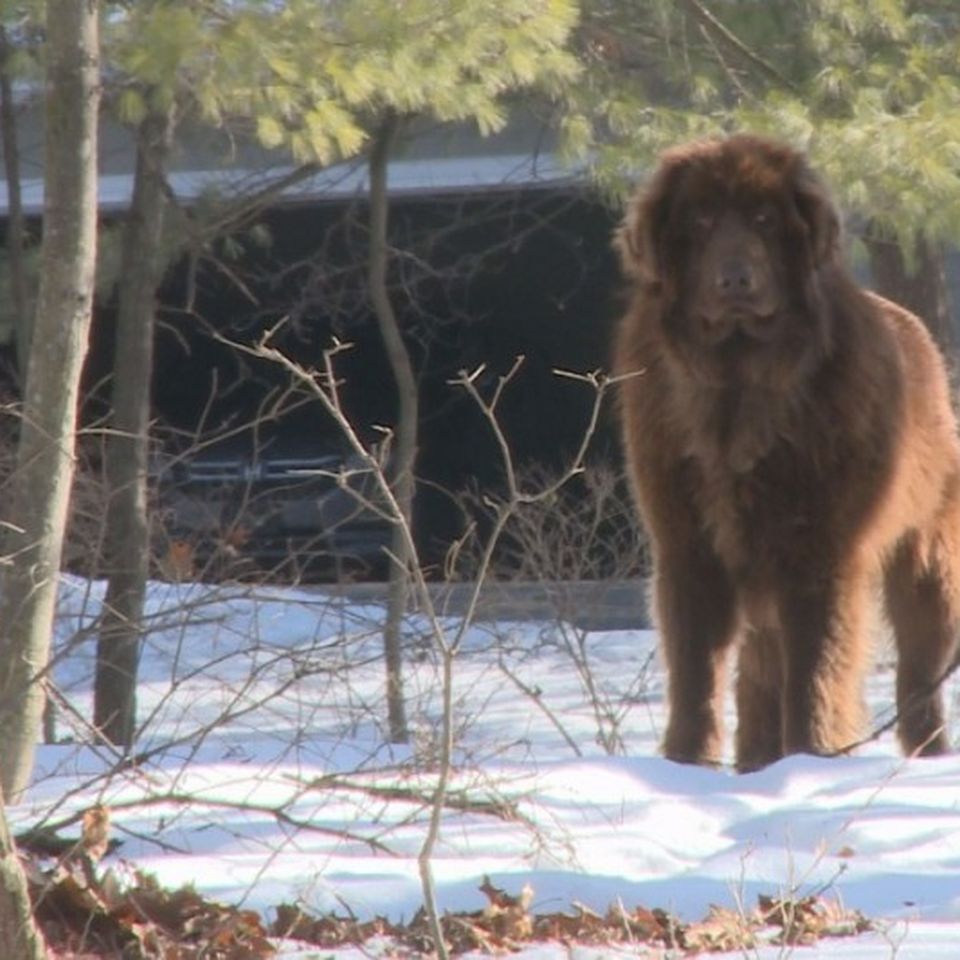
633, 243
639, 238
818, 212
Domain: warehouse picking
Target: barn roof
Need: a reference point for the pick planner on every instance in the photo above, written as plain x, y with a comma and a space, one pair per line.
433, 159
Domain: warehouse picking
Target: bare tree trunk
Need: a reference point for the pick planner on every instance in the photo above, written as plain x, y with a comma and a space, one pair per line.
19, 937
15, 230
922, 289
128, 532
404, 449
41, 482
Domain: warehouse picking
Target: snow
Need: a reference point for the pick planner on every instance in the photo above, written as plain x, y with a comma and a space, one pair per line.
253, 701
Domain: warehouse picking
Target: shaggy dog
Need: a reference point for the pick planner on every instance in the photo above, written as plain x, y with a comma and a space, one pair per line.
791, 443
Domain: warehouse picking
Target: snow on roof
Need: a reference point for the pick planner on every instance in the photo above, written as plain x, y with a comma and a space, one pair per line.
406, 177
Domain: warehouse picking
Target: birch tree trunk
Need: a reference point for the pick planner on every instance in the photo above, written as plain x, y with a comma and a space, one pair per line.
404, 449
127, 532
40, 490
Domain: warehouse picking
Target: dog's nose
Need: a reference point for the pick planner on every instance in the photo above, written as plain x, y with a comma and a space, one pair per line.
735, 278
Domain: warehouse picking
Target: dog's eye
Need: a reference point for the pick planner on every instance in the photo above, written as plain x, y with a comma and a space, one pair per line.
765, 218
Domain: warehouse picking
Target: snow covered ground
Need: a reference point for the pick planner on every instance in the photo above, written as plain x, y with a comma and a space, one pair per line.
264, 778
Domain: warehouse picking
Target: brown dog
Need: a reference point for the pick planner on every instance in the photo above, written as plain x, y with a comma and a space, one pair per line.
791, 442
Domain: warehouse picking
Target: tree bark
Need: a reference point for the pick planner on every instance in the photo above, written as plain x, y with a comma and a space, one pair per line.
44, 471
923, 289
15, 229
128, 529
405, 438
19, 937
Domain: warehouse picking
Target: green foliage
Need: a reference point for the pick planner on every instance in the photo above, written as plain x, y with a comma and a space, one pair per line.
871, 88
313, 77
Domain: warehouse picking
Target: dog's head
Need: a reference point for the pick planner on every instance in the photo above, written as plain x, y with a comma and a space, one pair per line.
731, 235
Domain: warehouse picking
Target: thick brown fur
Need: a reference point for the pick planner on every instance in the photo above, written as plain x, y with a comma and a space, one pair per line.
791, 445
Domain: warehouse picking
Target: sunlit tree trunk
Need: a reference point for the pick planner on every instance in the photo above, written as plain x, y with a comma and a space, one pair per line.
40, 488
19, 938
127, 533
404, 442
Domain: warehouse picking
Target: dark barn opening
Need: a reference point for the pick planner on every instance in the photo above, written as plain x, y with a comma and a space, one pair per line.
477, 279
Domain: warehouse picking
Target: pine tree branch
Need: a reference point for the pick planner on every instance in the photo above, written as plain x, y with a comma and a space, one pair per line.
710, 23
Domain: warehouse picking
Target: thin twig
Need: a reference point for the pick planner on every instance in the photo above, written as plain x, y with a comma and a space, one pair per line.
541, 704
890, 724
194, 800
